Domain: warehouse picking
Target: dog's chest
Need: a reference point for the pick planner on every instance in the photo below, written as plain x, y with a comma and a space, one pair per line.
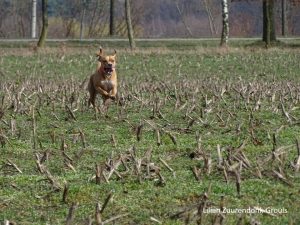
107, 84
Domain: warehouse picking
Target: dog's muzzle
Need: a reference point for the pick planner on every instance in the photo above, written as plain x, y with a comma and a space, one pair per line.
108, 69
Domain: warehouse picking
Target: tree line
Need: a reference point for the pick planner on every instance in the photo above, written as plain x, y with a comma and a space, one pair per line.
98, 18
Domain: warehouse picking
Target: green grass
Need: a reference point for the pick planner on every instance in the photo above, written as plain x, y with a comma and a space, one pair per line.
49, 78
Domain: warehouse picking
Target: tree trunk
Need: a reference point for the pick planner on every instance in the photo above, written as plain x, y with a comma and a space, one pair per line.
43, 36
82, 19
112, 26
212, 26
183, 21
283, 17
272, 20
129, 24
225, 22
33, 19
266, 23
269, 34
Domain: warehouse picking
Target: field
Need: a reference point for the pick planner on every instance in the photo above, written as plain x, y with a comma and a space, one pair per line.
197, 127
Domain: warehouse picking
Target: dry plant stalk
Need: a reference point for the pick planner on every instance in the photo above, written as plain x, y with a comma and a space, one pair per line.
158, 140
113, 140
238, 182
98, 216
201, 207
285, 113
82, 136
34, 137
139, 131
162, 180
197, 173
219, 218
65, 193
172, 137
70, 112
10, 163
71, 213
106, 201
43, 170
98, 173
220, 162
112, 219
168, 167
297, 161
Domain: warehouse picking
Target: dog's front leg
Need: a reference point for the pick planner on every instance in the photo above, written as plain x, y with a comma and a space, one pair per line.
113, 92
102, 92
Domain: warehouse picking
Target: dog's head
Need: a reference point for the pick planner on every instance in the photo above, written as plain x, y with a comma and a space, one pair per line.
108, 62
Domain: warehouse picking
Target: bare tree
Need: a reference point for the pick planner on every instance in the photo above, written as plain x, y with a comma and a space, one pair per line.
183, 20
212, 25
225, 28
96, 18
112, 26
84, 4
283, 17
43, 36
33, 20
129, 24
269, 34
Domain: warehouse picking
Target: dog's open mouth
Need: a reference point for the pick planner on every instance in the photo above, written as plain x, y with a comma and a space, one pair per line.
108, 70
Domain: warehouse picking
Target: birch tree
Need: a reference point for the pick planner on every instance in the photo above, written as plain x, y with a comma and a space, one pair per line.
33, 19
129, 24
225, 24
44, 32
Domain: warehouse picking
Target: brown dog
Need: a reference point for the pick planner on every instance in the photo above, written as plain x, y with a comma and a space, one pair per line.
104, 80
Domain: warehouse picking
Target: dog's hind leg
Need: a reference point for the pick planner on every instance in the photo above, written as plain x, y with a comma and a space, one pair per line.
93, 93
92, 99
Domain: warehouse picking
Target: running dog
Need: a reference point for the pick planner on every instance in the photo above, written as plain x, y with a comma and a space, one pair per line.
104, 80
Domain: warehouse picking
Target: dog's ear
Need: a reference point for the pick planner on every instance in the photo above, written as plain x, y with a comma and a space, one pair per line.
115, 52
100, 53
